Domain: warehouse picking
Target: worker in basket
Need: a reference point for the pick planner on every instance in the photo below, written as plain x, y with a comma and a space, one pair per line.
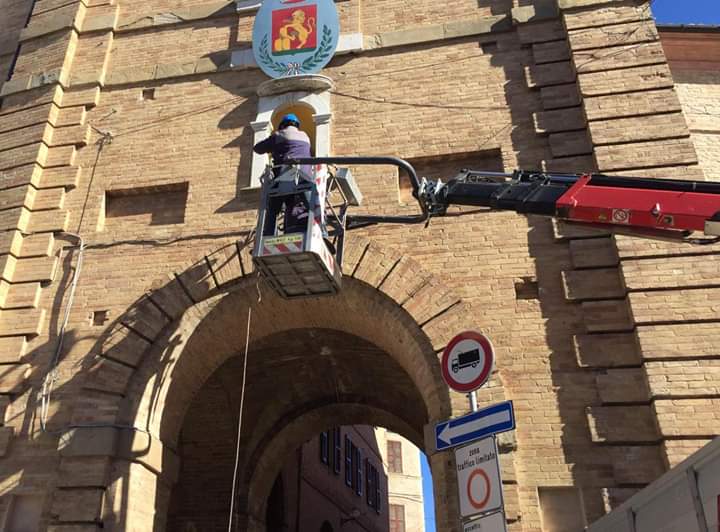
287, 143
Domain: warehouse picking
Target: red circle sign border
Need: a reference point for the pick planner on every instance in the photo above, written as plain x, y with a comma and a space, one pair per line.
478, 505
487, 367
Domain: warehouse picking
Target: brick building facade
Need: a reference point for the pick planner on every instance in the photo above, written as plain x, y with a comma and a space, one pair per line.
130, 124
405, 500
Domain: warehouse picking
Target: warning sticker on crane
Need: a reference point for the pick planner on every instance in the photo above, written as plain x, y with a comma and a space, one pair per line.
276, 245
621, 216
478, 474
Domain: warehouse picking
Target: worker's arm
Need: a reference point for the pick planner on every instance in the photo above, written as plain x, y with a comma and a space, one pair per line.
265, 146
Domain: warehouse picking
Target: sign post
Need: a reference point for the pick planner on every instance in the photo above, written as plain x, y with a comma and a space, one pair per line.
467, 362
478, 474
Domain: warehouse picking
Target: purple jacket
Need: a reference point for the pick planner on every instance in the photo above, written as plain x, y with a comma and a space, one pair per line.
288, 143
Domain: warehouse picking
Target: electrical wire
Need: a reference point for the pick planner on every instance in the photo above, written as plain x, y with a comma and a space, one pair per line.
51, 376
239, 428
416, 104
171, 118
105, 139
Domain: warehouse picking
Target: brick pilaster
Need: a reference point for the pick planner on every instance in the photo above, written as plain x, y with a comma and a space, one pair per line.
654, 299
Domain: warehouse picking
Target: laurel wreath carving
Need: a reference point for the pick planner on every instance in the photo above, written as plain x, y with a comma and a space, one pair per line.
323, 51
320, 55
268, 61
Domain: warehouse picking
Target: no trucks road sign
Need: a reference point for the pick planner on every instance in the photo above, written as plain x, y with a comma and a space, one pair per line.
467, 361
478, 474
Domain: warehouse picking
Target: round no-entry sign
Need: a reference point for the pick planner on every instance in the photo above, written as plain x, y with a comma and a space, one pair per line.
467, 361
478, 474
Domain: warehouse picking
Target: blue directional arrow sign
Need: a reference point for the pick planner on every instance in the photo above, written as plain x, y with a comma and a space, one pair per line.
491, 420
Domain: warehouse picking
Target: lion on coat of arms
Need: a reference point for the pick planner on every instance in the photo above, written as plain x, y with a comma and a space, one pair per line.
294, 32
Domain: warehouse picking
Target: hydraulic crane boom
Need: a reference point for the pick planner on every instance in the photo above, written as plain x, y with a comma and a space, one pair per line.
651, 208
656, 208
303, 260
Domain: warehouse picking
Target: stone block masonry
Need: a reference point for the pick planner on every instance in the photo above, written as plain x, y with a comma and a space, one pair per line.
636, 127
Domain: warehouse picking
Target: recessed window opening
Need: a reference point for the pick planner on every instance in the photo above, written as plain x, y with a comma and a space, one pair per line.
148, 94
394, 456
526, 288
304, 113
99, 317
397, 518
561, 508
143, 206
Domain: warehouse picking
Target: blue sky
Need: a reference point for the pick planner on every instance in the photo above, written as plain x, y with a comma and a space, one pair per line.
686, 11
666, 12
427, 495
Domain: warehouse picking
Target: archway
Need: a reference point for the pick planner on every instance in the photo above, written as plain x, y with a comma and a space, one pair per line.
193, 324
307, 96
319, 378
304, 112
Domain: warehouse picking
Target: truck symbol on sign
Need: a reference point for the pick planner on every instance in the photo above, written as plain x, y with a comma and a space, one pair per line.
466, 359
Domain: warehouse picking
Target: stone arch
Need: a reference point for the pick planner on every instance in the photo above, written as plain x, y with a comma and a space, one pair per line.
146, 348
312, 92
313, 422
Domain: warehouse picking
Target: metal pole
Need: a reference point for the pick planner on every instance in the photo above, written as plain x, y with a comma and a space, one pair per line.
362, 220
473, 402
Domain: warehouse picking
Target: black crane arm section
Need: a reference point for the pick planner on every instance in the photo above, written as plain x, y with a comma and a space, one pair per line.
654, 208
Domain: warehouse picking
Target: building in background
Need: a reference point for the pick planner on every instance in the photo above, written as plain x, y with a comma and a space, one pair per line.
334, 482
405, 493
350, 478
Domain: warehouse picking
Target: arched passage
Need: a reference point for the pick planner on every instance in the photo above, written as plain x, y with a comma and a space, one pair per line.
192, 325
304, 113
299, 382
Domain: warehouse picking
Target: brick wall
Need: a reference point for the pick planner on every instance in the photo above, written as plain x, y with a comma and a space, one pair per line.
598, 356
401, 14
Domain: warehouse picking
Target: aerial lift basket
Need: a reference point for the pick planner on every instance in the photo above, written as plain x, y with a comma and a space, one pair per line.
299, 260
